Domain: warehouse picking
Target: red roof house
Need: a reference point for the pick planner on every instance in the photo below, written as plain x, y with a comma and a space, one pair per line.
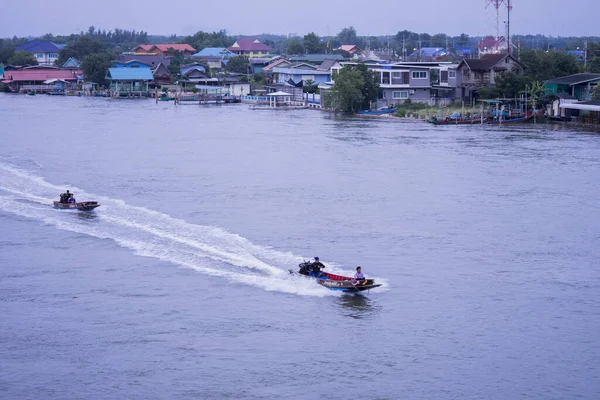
42, 78
163, 48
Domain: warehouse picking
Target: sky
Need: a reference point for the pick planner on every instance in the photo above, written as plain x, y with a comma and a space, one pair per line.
324, 17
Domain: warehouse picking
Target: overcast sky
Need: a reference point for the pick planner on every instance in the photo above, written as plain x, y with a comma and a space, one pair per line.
325, 17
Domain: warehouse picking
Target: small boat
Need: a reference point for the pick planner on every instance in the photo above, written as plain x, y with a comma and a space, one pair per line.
456, 121
381, 111
82, 206
336, 282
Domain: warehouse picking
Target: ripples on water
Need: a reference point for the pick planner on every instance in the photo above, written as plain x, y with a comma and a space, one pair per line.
486, 240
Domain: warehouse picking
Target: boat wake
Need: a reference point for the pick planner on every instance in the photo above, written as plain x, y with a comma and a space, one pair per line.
209, 250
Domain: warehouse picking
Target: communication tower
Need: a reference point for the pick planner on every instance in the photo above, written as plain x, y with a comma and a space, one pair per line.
496, 6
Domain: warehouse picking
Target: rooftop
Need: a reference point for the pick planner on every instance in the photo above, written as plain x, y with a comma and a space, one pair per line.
129, 74
40, 46
574, 79
249, 44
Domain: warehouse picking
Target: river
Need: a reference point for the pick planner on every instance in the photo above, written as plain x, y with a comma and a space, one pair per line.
486, 240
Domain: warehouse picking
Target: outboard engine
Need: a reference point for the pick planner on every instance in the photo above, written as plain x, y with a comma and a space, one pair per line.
305, 268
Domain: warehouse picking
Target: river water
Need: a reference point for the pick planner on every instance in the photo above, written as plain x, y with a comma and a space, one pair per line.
486, 240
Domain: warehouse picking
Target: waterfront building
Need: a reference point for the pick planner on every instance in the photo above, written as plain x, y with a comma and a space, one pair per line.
128, 82
579, 86
300, 74
477, 73
250, 47
40, 79
44, 51
315, 59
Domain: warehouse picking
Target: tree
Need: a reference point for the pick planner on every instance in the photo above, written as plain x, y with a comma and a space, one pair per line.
83, 46
508, 84
544, 65
201, 39
348, 36
6, 54
594, 58
22, 58
463, 40
312, 43
295, 46
596, 93
239, 64
95, 66
310, 86
354, 90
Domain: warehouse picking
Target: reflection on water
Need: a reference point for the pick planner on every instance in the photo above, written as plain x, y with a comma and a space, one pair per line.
87, 215
358, 305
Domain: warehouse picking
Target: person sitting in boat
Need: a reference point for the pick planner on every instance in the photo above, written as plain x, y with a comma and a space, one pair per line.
359, 275
64, 197
72, 199
315, 267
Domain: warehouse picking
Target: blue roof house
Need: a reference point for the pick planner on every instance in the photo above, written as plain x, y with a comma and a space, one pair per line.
44, 51
130, 64
129, 82
71, 63
215, 57
430, 53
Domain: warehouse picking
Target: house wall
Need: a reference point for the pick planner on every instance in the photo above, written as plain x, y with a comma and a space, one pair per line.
399, 96
46, 58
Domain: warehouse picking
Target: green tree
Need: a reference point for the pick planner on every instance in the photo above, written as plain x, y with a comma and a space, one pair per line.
239, 64
508, 84
593, 58
348, 36
95, 66
22, 58
545, 65
596, 93
295, 46
6, 54
83, 46
312, 43
310, 86
354, 90
201, 39
439, 40
463, 40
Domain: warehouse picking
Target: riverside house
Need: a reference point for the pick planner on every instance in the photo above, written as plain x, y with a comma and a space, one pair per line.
40, 79
480, 73
129, 82
400, 82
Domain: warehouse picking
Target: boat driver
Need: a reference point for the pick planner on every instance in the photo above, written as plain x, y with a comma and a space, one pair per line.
64, 197
316, 267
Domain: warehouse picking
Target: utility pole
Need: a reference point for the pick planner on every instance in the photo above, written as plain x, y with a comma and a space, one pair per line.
509, 6
585, 53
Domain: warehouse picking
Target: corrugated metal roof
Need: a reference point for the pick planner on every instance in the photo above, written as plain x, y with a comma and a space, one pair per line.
249, 44
40, 75
574, 79
214, 52
130, 74
40, 46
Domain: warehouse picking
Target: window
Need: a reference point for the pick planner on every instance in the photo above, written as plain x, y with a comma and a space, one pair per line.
444, 76
53, 55
39, 55
419, 75
451, 74
400, 95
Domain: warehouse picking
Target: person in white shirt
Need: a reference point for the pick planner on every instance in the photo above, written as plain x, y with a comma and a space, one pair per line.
359, 275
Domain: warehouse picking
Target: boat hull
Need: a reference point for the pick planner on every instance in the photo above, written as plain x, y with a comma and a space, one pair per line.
349, 285
82, 206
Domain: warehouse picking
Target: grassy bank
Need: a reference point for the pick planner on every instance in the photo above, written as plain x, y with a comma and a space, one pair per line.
424, 111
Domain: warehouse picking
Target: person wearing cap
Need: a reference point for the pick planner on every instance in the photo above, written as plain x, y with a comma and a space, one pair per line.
359, 275
316, 267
